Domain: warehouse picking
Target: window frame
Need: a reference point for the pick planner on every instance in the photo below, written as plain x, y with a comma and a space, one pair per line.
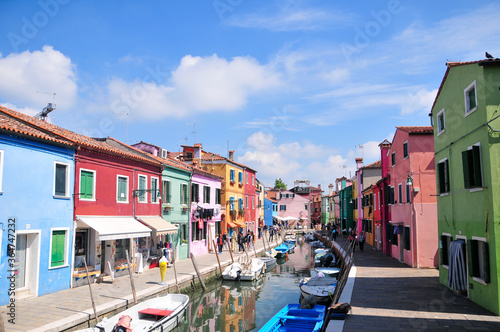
184, 199
246, 202
441, 122
406, 152
474, 187
218, 196
480, 260
206, 194
393, 158
400, 193
408, 193
446, 179
471, 86
66, 247
155, 193
68, 170
93, 185
446, 252
253, 202
282, 207
118, 188
195, 192
166, 197
145, 196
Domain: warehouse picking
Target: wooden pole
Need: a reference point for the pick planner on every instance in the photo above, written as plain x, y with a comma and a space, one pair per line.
218, 261
231, 252
131, 278
198, 273
175, 272
90, 288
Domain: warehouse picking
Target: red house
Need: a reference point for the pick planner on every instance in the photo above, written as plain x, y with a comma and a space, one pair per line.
251, 200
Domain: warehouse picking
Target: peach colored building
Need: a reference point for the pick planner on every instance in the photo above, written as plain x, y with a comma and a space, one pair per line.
413, 226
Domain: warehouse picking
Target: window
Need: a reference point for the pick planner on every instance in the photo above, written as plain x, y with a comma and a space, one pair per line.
408, 193
471, 160
282, 207
246, 202
405, 149
87, 184
253, 202
246, 178
184, 193
61, 180
240, 177
443, 177
142, 197
253, 180
240, 204
1, 169
479, 262
195, 192
394, 234
166, 191
440, 122
198, 233
154, 190
231, 203
406, 237
375, 202
217, 196
305, 207
206, 194
470, 98
231, 175
393, 158
58, 245
400, 193
122, 189
445, 249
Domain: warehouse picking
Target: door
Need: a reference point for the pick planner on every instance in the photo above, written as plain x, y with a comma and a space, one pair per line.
20, 265
401, 247
377, 236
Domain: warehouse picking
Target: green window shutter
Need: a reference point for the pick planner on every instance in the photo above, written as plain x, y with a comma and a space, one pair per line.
86, 184
122, 189
476, 162
57, 252
446, 176
167, 197
186, 195
467, 170
486, 262
441, 180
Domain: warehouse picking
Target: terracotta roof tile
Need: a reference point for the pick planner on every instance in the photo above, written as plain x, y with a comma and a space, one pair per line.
376, 164
417, 130
76, 139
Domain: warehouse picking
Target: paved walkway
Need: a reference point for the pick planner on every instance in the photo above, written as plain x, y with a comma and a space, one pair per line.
59, 311
390, 296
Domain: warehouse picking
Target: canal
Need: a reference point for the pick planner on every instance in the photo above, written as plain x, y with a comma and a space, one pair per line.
232, 306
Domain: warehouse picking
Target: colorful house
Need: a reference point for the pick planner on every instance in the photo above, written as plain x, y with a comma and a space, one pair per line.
346, 205
466, 122
382, 228
377, 215
413, 211
36, 194
251, 200
367, 203
294, 209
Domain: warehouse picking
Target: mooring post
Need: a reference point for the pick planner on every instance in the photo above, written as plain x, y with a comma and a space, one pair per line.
198, 273
90, 288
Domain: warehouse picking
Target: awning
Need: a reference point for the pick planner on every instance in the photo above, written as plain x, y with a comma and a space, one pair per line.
233, 224
115, 227
160, 225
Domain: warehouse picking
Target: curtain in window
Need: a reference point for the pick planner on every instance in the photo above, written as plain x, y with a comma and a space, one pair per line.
457, 276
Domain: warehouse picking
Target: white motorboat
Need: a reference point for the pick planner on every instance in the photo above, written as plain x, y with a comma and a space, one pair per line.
327, 271
237, 271
322, 288
156, 314
321, 258
290, 236
269, 261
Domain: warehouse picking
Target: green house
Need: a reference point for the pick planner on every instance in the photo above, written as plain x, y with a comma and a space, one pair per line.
346, 208
466, 121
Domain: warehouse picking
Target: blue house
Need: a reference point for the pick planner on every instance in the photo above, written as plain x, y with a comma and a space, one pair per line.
36, 218
268, 212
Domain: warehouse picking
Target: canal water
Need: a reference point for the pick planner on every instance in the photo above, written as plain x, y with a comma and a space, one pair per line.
236, 306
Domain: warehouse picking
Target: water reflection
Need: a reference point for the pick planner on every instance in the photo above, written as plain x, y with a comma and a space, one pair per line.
237, 306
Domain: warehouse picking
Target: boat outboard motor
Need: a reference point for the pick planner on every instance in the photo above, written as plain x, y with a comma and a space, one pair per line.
328, 260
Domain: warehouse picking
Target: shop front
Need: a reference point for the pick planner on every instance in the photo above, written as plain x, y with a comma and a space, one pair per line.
163, 237
102, 243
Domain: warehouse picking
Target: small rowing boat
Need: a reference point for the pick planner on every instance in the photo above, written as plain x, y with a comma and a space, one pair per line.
292, 318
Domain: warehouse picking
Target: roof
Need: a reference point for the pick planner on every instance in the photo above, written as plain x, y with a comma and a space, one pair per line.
417, 130
75, 138
209, 157
376, 164
453, 64
11, 124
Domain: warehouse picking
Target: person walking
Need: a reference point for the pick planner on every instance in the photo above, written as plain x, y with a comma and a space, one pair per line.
271, 233
220, 243
240, 241
250, 240
352, 238
225, 241
361, 240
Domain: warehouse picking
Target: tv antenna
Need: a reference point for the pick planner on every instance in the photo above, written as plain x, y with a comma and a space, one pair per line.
194, 131
49, 108
361, 147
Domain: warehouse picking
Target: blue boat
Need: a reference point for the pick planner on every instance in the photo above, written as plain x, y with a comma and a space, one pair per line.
281, 250
290, 245
292, 318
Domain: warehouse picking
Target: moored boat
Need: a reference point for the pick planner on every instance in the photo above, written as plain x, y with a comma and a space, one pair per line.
269, 261
251, 271
291, 246
281, 250
322, 288
328, 271
157, 314
292, 318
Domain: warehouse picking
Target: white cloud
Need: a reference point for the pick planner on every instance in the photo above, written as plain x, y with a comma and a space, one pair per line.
290, 18
25, 110
198, 84
46, 71
420, 102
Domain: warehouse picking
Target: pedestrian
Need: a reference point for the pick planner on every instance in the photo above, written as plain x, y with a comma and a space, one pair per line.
361, 240
240, 241
251, 240
352, 238
247, 239
271, 233
220, 243
225, 241
260, 232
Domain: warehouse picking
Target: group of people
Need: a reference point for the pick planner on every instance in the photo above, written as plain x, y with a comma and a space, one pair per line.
243, 241
350, 235
357, 239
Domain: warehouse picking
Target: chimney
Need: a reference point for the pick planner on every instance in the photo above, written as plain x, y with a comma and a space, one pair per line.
330, 189
231, 155
359, 163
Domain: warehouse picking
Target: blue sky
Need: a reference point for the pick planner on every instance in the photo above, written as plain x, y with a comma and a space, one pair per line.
294, 87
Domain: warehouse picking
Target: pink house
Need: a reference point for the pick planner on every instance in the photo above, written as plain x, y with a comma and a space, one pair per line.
413, 226
294, 208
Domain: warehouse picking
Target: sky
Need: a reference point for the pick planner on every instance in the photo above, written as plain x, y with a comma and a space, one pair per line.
298, 89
